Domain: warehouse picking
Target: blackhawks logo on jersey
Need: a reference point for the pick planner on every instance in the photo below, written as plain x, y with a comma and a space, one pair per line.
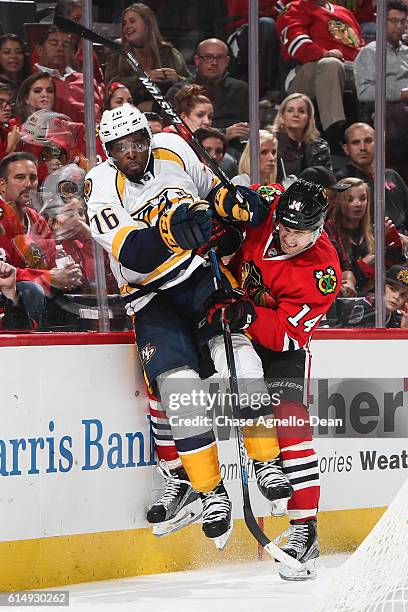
326, 280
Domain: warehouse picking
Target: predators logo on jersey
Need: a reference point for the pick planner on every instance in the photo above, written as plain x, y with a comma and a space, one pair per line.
165, 200
326, 280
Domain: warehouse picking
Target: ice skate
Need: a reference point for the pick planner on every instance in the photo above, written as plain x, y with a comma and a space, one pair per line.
302, 544
178, 506
217, 522
273, 484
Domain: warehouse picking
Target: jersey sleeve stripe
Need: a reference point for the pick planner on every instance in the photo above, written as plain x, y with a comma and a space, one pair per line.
120, 238
167, 155
120, 186
297, 42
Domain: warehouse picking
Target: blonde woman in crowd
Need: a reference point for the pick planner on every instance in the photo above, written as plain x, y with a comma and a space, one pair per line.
267, 161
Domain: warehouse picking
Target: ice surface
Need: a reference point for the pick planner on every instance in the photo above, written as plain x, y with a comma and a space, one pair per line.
250, 587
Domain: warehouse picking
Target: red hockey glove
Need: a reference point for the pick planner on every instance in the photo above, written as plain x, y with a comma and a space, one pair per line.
232, 306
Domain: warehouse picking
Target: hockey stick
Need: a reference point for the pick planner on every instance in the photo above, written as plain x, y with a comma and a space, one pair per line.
250, 520
67, 25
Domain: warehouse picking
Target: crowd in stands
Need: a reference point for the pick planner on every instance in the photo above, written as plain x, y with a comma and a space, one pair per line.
317, 78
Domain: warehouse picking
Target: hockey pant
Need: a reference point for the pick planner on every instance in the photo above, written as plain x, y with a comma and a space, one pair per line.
185, 399
285, 375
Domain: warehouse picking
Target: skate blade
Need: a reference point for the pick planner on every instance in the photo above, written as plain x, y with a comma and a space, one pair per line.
222, 540
308, 572
185, 517
280, 507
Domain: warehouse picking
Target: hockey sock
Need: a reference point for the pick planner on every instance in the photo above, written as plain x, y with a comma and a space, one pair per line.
261, 442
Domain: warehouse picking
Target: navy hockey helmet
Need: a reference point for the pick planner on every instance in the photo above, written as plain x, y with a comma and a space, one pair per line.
303, 206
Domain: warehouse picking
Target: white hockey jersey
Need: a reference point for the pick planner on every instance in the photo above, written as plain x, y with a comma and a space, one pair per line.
123, 216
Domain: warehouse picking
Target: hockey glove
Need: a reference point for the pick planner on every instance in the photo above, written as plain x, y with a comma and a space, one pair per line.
232, 306
228, 208
186, 228
226, 238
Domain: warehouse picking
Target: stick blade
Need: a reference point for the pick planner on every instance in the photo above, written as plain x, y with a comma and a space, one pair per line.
73, 27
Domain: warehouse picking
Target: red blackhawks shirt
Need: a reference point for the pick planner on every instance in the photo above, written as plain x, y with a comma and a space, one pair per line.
307, 31
291, 293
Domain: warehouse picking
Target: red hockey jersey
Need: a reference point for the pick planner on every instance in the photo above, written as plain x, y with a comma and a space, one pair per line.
307, 31
291, 293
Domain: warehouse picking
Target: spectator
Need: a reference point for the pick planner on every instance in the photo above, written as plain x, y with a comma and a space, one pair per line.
359, 146
352, 218
396, 84
194, 108
37, 92
364, 12
116, 94
9, 129
229, 96
158, 58
323, 176
72, 9
55, 53
155, 122
14, 61
267, 161
300, 145
15, 316
361, 312
25, 235
215, 143
319, 41
237, 28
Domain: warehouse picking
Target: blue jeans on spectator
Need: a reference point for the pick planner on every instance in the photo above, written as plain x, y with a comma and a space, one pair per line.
268, 53
34, 300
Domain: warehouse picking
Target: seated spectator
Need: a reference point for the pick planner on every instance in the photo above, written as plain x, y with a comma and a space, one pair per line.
194, 108
14, 62
158, 58
396, 84
215, 143
72, 9
9, 128
359, 146
37, 92
116, 94
319, 42
229, 96
237, 29
54, 51
267, 161
155, 121
26, 241
323, 176
361, 312
352, 220
299, 142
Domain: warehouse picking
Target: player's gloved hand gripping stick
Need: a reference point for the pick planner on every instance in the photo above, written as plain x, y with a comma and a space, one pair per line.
250, 520
67, 25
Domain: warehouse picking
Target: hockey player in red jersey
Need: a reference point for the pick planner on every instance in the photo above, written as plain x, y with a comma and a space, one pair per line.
291, 273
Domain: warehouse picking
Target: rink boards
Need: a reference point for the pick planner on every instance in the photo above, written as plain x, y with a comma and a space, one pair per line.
77, 466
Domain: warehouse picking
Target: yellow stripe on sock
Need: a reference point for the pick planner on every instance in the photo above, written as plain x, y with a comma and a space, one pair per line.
261, 442
202, 468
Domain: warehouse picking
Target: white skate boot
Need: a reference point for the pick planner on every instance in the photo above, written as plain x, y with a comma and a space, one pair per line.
273, 484
178, 506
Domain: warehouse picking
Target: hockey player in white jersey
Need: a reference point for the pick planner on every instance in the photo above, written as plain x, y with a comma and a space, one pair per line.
145, 207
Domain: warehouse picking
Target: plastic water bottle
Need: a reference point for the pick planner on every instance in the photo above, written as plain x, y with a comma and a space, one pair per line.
62, 259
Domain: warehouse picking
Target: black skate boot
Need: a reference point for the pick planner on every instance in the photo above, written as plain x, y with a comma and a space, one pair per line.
217, 522
273, 484
178, 506
302, 544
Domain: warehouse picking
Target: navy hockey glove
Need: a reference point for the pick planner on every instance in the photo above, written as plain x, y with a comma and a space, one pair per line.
228, 208
187, 227
226, 238
233, 306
